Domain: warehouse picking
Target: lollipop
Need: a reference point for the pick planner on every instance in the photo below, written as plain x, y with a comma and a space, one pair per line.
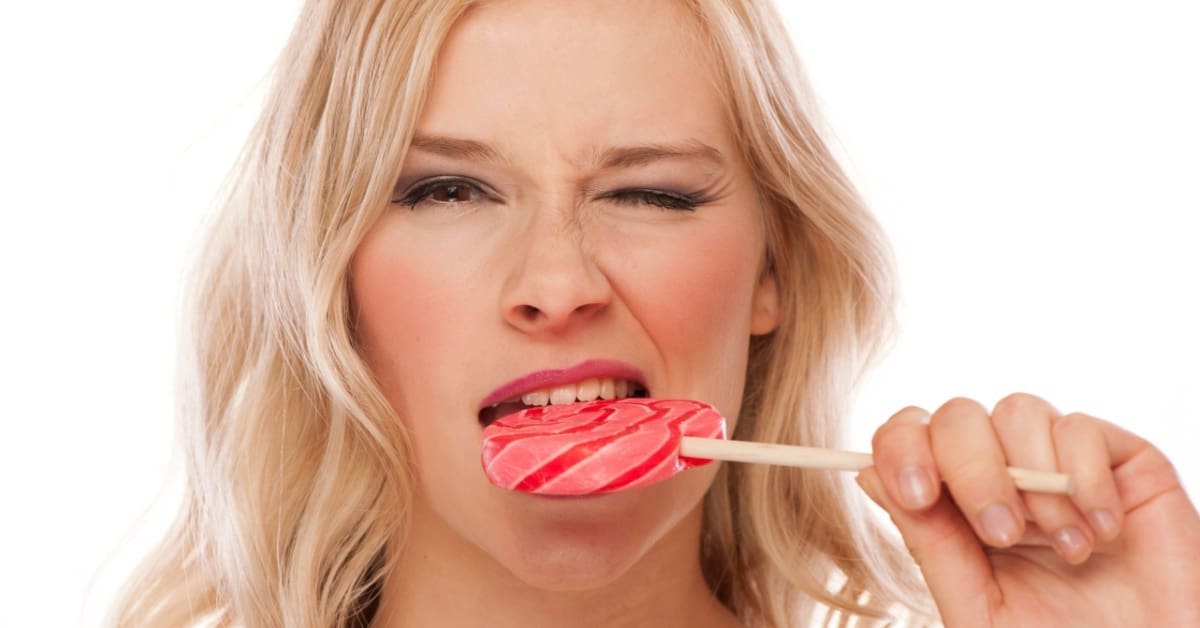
603, 446
595, 447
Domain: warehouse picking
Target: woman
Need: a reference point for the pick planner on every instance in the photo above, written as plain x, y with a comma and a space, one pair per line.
519, 201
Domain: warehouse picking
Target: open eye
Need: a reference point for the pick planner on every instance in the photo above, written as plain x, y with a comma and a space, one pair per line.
444, 191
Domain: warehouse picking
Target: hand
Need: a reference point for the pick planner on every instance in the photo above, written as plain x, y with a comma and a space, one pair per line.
1123, 550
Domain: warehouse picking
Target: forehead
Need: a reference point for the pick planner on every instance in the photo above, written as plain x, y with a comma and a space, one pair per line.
576, 74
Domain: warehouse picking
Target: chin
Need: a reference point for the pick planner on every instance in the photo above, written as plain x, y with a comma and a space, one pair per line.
584, 543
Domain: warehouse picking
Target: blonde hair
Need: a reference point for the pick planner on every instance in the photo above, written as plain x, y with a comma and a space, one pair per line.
297, 467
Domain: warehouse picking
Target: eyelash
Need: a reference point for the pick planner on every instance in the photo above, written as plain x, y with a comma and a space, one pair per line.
638, 196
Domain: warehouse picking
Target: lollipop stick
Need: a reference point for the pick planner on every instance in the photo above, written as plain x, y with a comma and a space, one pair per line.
817, 458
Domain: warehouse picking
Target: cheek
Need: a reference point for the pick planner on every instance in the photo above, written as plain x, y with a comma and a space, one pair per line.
692, 290
411, 306
388, 324
410, 321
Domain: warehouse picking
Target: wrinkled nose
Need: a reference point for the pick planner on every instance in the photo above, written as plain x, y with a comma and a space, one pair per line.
555, 286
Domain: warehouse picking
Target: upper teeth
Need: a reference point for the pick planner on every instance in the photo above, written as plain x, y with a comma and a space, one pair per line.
587, 390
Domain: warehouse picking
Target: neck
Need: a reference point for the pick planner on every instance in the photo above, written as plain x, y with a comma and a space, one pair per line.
440, 579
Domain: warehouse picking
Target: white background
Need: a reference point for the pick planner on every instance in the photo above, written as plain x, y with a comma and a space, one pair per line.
1035, 166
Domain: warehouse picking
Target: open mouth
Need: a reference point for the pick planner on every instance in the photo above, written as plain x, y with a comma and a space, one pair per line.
587, 390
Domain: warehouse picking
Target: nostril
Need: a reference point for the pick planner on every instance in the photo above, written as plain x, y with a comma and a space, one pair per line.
587, 308
551, 314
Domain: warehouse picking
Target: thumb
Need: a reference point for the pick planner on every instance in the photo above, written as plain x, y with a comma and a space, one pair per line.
950, 556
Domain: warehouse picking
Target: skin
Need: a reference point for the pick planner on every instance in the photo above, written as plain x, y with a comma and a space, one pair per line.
544, 266
1120, 551
541, 267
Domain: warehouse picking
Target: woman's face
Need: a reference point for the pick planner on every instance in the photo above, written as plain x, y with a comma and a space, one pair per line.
574, 196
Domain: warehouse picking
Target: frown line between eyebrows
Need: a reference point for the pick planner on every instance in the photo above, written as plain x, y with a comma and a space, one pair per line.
599, 159
619, 157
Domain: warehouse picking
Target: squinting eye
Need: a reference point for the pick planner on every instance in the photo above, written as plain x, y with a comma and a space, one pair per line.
655, 198
443, 191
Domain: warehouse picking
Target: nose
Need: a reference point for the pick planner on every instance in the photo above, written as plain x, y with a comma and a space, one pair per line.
555, 286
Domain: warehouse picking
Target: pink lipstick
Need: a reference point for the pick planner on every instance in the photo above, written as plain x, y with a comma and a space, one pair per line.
507, 398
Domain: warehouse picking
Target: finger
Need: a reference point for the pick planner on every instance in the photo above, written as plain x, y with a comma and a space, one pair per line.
945, 547
1140, 469
904, 460
972, 463
1024, 424
1084, 453
1161, 525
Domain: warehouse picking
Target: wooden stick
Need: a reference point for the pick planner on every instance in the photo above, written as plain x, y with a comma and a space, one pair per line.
817, 458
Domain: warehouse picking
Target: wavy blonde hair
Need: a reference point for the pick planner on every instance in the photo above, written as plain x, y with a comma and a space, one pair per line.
297, 468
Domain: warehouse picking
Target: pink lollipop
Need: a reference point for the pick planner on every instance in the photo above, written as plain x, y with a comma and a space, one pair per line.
595, 447
604, 446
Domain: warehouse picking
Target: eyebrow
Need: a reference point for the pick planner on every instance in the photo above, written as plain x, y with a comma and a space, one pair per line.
456, 148
612, 158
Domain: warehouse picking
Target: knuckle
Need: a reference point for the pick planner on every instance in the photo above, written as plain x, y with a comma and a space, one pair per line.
1160, 465
893, 437
908, 420
912, 411
1019, 404
956, 408
1073, 423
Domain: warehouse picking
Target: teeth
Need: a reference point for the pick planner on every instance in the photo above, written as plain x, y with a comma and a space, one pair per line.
587, 390
538, 398
606, 389
563, 395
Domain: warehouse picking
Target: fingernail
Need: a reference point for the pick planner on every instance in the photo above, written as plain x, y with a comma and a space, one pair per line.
1104, 522
916, 491
1070, 542
999, 524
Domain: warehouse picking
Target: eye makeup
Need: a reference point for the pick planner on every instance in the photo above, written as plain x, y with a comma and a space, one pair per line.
658, 198
447, 190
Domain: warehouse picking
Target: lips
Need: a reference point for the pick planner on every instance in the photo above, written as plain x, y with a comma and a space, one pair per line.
587, 381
